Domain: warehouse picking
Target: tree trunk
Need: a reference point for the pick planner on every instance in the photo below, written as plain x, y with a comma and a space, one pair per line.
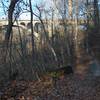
96, 16
9, 27
10, 19
70, 8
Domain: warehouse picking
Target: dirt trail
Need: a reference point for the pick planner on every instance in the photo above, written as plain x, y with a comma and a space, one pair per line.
86, 63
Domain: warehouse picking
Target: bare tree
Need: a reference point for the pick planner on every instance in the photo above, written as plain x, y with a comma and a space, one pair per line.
10, 19
96, 15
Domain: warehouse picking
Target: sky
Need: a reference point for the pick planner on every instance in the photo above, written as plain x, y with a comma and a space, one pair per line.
24, 16
45, 4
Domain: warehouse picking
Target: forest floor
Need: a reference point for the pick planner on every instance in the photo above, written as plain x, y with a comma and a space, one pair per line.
74, 86
69, 87
66, 87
